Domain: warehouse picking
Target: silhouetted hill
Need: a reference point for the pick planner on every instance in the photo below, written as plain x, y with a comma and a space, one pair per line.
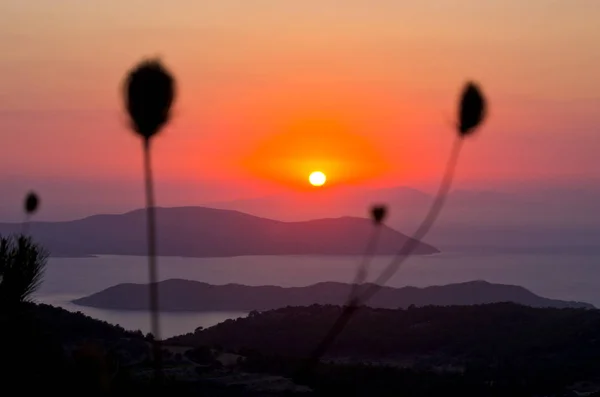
332, 202
534, 207
444, 335
207, 232
39, 345
72, 327
185, 295
536, 220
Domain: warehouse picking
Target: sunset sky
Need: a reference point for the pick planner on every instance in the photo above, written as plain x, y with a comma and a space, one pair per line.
269, 91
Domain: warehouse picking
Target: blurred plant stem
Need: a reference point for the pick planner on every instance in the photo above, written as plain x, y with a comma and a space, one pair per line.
405, 251
434, 211
149, 93
362, 272
472, 109
152, 267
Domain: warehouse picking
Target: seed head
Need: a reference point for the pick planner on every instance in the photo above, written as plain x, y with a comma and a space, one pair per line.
378, 213
472, 109
149, 93
31, 203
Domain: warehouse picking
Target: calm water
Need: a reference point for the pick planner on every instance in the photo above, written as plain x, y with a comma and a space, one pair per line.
569, 277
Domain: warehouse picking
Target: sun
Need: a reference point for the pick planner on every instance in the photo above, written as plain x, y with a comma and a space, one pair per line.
317, 178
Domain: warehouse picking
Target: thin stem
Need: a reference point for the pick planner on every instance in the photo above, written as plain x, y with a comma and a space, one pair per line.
327, 341
434, 211
152, 267
409, 246
351, 305
363, 268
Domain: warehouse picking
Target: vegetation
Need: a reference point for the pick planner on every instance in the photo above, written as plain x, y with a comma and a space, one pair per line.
482, 335
22, 264
149, 91
36, 343
472, 109
34, 339
386, 380
491, 350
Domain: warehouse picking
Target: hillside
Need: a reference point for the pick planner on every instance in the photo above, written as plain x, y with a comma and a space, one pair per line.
489, 208
498, 350
520, 220
45, 349
186, 295
452, 334
207, 232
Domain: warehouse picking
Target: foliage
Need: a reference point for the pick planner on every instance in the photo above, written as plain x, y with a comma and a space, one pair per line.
201, 355
35, 342
22, 264
479, 335
499, 349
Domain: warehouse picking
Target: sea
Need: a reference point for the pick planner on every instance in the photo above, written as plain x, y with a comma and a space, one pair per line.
567, 277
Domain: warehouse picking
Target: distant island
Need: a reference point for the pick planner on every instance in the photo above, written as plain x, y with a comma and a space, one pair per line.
186, 295
208, 232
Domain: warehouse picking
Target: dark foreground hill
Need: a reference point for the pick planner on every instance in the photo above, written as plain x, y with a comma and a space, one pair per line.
186, 295
499, 349
471, 351
47, 349
447, 335
207, 232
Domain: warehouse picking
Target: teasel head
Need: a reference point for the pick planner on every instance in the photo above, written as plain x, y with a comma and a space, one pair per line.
472, 109
149, 92
31, 203
378, 213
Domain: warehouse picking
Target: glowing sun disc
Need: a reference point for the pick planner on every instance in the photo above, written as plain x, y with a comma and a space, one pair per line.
317, 178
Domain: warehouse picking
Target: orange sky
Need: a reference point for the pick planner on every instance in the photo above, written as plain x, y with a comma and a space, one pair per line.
270, 90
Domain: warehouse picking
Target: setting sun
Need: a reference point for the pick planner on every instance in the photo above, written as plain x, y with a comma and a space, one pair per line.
317, 178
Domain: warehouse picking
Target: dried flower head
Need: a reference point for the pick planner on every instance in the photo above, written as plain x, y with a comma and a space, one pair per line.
378, 213
149, 94
472, 109
31, 203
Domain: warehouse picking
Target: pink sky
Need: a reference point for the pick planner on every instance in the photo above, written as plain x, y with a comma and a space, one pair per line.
389, 70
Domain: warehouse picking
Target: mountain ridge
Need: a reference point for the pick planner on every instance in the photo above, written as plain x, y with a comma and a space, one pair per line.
194, 231
179, 295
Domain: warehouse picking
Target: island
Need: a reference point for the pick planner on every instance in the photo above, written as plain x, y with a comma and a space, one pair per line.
188, 296
209, 232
